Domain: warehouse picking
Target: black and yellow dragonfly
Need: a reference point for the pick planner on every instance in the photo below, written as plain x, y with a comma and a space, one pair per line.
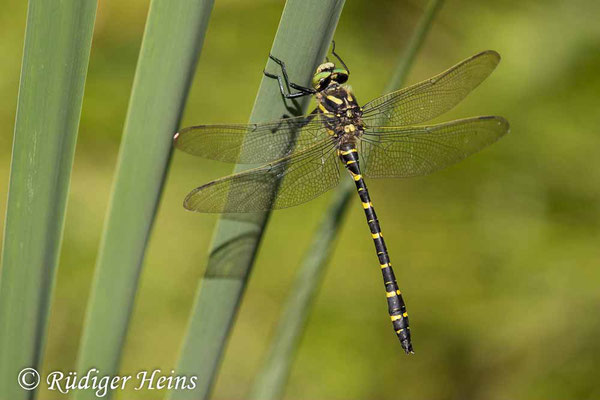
304, 155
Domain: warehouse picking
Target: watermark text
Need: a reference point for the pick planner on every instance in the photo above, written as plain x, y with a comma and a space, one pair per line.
67, 382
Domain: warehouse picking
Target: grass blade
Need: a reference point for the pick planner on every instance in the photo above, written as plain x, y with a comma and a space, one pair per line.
273, 376
173, 37
55, 60
303, 37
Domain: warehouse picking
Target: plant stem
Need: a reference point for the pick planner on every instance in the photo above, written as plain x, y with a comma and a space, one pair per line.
55, 60
406, 59
270, 383
172, 41
303, 37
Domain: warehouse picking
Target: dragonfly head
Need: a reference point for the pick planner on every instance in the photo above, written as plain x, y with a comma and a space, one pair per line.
327, 73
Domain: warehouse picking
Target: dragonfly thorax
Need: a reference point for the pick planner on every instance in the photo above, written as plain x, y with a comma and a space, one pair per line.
343, 115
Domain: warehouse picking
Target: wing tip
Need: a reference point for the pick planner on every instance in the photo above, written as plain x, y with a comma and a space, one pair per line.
179, 138
188, 202
493, 54
500, 120
506, 124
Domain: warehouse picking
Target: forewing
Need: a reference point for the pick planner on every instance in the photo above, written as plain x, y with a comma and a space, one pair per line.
301, 177
419, 150
252, 143
433, 97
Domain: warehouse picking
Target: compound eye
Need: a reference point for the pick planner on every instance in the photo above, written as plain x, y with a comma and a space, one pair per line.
324, 83
340, 75
342, 78
321, 79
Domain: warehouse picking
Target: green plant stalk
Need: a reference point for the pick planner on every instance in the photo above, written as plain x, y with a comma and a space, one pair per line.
173, 37
273, 376
302, 40
413, 46
270, 383
58, 39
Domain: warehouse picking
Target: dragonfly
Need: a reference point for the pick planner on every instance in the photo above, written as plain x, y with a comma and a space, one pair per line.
303, 156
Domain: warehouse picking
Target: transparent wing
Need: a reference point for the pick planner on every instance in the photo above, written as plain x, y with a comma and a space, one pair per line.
419, 150
301, 177
252, 143
428, 99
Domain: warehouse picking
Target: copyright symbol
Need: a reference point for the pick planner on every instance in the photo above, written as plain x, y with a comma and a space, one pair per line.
28, 378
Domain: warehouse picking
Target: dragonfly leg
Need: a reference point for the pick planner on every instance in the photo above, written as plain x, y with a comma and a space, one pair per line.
302, 88
396, 306
282, 89
305, 90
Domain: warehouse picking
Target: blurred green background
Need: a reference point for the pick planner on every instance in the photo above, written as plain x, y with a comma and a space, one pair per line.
497, 256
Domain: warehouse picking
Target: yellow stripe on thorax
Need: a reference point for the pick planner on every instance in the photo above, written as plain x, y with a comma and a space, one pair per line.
335, 100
